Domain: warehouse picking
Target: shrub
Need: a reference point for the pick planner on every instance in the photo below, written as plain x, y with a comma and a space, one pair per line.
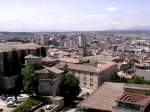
29, 103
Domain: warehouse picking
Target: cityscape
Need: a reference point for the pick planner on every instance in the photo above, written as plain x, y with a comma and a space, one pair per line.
94, 57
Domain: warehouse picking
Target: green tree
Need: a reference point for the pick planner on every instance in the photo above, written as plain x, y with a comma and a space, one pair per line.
70, 87
138, 80
29, 79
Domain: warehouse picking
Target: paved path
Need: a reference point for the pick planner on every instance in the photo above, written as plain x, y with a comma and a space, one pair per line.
3, 105
71, 110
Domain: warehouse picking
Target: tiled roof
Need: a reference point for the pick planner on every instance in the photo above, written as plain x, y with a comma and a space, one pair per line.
99, 58
93, 69
32, 57
55, 70
104, 97
44, 71
48, 59
49, 70
69, 60
134, 99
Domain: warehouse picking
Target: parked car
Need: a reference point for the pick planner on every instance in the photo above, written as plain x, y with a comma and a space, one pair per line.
49, 107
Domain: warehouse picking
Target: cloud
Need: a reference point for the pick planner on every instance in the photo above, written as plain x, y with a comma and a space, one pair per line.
111, 9
42, 18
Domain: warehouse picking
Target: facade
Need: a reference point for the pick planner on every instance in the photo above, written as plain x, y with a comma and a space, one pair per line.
34, 60
49, 81
42, 39
82, 45
49, 78
92, 76
14, 55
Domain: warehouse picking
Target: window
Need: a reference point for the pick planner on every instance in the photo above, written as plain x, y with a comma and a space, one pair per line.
91, 85
78, 77
91, 79
85, 78
84, 83
91, 75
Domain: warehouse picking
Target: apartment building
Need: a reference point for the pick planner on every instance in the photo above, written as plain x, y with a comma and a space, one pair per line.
91, 76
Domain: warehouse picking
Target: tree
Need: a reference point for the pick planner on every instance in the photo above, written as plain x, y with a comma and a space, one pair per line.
29, 79
70, 87
138, 80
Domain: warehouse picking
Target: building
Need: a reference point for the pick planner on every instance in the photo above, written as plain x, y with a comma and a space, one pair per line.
49, 78
92, 76
49, 81
41, 38
82, 40
14, 55
102, 99
82, 45
117, 97
35, 60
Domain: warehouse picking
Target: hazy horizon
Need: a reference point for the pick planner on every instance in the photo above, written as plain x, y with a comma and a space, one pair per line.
73, 15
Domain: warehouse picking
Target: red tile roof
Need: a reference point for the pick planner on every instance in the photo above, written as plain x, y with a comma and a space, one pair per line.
134, 99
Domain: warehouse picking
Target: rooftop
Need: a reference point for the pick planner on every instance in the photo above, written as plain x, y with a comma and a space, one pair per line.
32, 57
55, 70
134, 99
49, 59
104, 97
47, 70
92, 69
7, 48
137, 86
69, 60
99, 58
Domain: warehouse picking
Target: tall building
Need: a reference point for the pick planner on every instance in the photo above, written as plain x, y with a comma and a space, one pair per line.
82, 45
82, 40
41, 38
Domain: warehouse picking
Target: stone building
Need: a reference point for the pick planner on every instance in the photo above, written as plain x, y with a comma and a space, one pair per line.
11, 61
49, 81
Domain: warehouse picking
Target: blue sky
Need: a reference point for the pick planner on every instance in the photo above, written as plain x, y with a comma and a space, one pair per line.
69, 15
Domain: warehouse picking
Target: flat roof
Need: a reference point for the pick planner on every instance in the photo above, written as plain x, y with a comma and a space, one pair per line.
7, 48
137, 86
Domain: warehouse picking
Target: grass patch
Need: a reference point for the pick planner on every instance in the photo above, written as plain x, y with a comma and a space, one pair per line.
30, 102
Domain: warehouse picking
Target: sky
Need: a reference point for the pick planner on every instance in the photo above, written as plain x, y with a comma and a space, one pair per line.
73, 15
